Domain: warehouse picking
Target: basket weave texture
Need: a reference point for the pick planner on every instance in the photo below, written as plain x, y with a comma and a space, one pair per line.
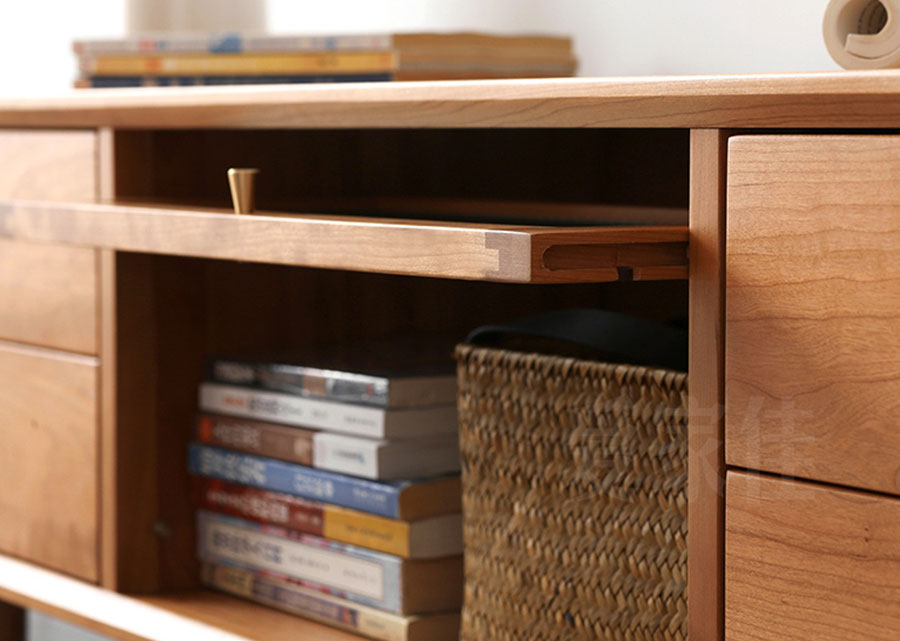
574, 494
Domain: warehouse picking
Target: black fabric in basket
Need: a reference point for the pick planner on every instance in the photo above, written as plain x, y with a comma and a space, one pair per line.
591, 334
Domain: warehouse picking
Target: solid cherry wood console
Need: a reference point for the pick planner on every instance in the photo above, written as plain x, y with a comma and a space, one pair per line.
765, 206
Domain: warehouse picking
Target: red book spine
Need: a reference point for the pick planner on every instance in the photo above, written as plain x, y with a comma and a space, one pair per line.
283, 442
260, 506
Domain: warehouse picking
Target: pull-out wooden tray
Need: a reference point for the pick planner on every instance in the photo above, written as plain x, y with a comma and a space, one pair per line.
462, 250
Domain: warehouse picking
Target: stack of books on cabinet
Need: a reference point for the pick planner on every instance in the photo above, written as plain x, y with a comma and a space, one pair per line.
332, 494
234, 58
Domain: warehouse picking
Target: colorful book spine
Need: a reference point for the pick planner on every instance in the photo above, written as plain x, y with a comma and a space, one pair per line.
111, 82
374, 497
208, 64
358, 420
360, 575
358, 456
408, 389
329, 609
390, 536
230, 42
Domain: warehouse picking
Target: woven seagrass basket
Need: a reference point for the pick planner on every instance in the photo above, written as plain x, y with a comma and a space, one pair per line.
574, 494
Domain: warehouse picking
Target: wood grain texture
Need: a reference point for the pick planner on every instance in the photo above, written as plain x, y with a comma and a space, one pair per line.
813, 308
545, 174
477, 251
843, 99
49, 165
130, 452
805, 561
706, 464
49, 294
48, 458
198, 616
109, 438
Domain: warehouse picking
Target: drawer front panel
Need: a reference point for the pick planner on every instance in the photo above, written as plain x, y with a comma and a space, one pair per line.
813, 308
804, 561
48, 165
48, 459
49, 296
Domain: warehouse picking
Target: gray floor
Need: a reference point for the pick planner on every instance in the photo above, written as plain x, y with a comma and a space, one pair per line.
44, 628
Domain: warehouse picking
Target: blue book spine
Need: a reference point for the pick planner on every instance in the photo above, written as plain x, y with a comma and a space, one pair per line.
103, 82
356, 574
381, 498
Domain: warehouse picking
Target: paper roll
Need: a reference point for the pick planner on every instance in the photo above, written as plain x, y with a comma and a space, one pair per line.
863, 34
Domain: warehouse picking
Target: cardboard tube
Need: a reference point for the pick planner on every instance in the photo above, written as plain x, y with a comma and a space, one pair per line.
863, 34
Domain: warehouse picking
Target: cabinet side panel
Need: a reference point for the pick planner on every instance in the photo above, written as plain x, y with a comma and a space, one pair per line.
12, 623
706, 457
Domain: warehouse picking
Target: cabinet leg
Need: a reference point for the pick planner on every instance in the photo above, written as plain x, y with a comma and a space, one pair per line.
12, 623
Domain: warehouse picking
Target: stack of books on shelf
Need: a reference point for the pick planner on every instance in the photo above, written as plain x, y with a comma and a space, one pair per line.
333, 494
234, 58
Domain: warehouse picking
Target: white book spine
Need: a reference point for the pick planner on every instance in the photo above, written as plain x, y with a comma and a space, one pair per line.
346, 454
292, 410
219, 540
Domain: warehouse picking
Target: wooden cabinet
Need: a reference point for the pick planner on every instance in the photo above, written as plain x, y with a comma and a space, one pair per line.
438, 207
812, 373
48, 164
49, 459
805, 561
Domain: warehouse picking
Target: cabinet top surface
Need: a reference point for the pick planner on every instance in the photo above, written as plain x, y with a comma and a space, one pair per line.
828, 99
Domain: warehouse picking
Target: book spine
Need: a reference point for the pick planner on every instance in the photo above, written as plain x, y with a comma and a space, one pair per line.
240, 63
105, 82
343, 387
295, 599
347, 454
259, 505
359, 575
309, 483
230, 43
292, 410
265, 439
390, 536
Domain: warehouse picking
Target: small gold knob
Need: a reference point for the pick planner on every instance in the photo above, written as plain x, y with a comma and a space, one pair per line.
241, 182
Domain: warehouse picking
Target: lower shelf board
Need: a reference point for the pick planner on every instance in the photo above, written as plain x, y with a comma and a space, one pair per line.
200, 615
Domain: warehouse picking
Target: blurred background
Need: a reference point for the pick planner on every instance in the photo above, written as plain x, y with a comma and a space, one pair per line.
612, 37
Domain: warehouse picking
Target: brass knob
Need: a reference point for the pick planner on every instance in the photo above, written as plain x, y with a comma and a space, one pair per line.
241, 182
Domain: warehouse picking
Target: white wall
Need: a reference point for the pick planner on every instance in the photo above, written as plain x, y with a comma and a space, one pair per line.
613, 37
36, 40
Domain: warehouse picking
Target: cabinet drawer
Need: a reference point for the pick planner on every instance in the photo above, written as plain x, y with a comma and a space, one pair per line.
49, 295
812, 337
48, 459
48, 165
804, 561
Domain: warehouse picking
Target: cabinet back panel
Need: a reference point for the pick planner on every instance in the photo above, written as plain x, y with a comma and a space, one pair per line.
372, 169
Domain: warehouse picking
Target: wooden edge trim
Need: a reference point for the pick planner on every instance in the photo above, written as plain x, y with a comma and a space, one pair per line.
706, 456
